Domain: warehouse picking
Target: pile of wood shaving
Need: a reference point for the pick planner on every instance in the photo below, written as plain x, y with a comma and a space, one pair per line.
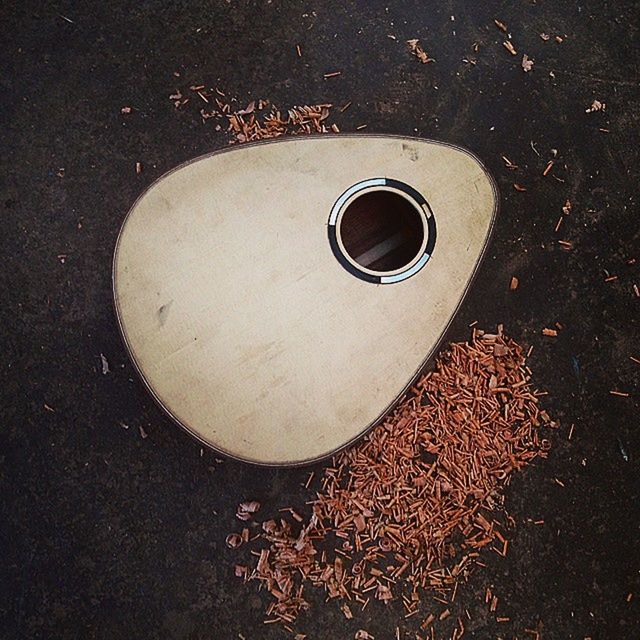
297, 120
390, 508
259, 120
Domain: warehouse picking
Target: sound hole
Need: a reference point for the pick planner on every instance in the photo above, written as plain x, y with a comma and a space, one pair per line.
381, 231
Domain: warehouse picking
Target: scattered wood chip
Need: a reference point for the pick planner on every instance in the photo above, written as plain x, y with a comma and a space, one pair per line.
427, 622
549, 332
249, 109
513, 285
596, 105
527, 63
509, 47
233, 540
545, 36
501, 25
246, 510
247, 125
126, 110
416, 49
105, 364
519, 187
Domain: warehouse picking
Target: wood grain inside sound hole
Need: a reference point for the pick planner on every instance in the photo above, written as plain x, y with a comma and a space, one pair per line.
381, 231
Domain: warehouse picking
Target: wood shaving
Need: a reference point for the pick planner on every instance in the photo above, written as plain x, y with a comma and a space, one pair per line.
247, 509
419, 497
527, 63
509, 47
596, 105
416, 49
501, 25
233, 540
620, 394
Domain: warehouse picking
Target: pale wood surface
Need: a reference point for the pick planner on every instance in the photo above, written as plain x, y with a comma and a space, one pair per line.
242, 322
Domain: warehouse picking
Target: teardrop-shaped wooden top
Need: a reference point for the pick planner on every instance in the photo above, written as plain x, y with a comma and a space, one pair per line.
261, 311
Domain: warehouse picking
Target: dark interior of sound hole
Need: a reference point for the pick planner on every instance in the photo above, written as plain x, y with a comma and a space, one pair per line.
381, 231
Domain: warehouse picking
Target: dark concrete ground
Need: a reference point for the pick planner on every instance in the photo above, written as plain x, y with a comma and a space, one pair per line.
105, 534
